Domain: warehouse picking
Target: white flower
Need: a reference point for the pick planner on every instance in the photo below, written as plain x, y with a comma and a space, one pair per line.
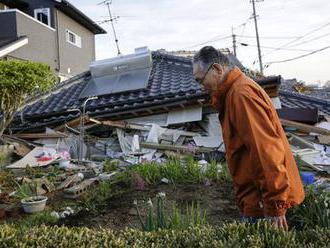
135, 202
150, 203
161, 195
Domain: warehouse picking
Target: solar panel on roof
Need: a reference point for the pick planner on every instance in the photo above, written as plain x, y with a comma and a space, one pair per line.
120, 74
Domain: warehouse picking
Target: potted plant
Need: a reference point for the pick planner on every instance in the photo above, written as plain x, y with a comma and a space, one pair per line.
30, 200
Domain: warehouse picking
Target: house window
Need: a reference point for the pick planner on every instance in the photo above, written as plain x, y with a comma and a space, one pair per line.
73, 38
43, 15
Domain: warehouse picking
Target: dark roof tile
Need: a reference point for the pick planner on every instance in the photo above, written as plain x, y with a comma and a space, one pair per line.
170, 81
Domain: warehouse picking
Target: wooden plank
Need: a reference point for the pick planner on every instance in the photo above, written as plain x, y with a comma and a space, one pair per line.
305, 127
126, 125
324, 139
40, 135
72, 123
31, 159
174, 147
297, 141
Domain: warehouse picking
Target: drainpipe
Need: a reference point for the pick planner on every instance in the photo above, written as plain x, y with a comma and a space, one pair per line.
57, 41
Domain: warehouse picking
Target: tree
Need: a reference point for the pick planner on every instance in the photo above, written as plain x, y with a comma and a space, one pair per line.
19, 81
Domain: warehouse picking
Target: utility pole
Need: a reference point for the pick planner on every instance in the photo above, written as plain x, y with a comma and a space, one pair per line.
108, 3
257, 35
234, 42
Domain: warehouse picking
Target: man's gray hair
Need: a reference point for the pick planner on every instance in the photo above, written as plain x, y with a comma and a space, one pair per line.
208, 55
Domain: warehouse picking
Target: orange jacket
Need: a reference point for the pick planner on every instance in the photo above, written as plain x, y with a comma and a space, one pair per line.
259, 157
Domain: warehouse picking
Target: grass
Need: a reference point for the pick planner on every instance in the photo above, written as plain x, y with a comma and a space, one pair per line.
184, 171
242, 235
4, 160
33, 220
158, 218
314, 211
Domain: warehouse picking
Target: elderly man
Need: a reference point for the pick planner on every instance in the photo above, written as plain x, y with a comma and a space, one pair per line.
264, 172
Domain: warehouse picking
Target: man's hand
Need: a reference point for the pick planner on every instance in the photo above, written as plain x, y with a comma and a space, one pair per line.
280, 222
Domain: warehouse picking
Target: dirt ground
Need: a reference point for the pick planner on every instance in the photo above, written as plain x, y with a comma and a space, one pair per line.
217, 200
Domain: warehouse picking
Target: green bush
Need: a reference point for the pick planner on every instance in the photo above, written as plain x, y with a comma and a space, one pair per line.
229, 235
20, 80
314, 211
183, 171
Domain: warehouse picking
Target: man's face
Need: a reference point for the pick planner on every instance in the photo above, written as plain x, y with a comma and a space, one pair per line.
208, 77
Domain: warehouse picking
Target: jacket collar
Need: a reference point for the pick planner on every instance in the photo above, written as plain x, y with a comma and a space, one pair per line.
218, 97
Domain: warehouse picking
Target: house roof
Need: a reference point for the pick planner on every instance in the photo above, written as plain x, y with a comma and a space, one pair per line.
20, 4
79, 16
67, 8
170, 85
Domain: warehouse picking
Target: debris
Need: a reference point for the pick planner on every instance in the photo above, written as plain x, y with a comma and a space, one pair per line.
79, 189
135, 143
126, 125
324, 139
107, 176
62, 215
70, 181
55, 214
38, 157
305, 127
302, 115
307, 177
188, 114
300, 142
203, 164
165, 180
174, 147
40, 135
209, 141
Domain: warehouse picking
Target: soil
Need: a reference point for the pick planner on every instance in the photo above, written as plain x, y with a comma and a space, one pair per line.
217, 200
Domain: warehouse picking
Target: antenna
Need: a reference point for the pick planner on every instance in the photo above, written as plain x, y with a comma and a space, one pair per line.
111, 20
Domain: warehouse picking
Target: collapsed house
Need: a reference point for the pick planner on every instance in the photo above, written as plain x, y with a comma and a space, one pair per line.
139, 106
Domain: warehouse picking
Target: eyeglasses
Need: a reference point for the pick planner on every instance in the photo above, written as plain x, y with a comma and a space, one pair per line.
202, 80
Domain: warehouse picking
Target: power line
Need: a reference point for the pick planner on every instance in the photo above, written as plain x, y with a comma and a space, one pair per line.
313, 39
209, 41
298, 57
272, 38
284, 49
298, 38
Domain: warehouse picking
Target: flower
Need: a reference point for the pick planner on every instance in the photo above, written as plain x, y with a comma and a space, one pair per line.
150, 203
161, 195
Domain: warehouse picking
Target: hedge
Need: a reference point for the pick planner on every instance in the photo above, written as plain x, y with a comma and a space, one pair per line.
228, 235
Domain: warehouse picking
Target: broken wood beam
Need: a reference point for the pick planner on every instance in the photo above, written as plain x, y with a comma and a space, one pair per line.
73, 123
40, 135
121, 124
126, 125
305, 127
174, 147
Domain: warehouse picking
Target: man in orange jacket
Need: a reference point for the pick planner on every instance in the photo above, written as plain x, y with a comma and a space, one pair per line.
265, 175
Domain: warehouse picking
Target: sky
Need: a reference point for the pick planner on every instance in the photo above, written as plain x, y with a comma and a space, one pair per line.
302, 25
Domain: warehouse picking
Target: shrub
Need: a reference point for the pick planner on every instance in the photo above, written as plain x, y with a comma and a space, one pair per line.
314, 211
229, 235
18, 81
